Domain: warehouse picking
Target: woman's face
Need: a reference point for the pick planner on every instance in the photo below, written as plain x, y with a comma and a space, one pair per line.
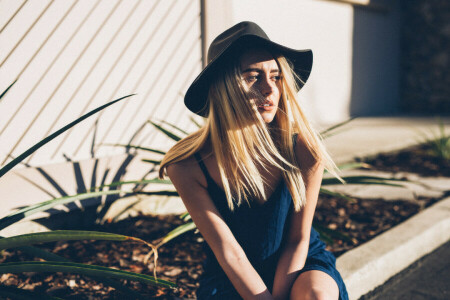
263, 76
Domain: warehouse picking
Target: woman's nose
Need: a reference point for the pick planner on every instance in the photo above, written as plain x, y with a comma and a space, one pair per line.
266, 86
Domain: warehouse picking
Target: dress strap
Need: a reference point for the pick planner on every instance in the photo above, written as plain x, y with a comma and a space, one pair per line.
294, 139
202, 165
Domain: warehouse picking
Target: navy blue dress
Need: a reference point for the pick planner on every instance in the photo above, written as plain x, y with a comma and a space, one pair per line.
260, 230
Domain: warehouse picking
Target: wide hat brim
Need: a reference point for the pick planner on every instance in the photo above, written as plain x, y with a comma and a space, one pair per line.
197, 94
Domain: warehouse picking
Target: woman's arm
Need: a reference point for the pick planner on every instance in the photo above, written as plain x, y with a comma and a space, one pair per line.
186, 177
295, 251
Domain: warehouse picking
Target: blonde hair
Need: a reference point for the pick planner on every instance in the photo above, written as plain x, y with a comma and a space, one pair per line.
241, 141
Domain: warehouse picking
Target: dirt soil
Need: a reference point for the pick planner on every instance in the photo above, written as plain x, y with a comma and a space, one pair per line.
343, 224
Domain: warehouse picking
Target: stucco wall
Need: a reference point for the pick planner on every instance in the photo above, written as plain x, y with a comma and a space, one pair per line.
355, 71
71, 56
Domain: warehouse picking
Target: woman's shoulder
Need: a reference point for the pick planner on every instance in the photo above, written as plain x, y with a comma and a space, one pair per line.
182, 166
188, 169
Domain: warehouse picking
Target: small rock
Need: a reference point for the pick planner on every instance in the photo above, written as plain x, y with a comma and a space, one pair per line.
174, 272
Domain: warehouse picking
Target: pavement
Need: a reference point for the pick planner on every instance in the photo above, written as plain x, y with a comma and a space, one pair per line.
411, 260
426, 279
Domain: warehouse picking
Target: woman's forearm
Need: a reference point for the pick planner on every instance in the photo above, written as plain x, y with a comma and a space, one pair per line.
291, 261
243, 275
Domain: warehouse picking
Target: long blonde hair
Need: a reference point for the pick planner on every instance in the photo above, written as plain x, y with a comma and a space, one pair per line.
241, 141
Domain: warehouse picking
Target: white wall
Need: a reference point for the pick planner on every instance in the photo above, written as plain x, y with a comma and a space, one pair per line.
326, 27
71, 56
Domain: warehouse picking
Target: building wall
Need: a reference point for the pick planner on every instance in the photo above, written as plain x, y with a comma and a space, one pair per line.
426, 56
71, 56
356, 50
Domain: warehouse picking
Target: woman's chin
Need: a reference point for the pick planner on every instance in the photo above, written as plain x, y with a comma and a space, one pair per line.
266, 116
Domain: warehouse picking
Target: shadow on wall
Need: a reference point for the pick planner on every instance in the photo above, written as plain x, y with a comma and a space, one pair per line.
425, 59
93, 210
375, 87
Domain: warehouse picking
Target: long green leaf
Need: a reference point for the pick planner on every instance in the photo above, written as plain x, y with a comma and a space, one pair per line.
176, 232
143, 181
186, 216
195, 122
32, 209
41, 253
41, 143
89, 270
152, 161
363, 180
7, 89
174, 127
328, 132
325, 237
20, 294
172, 135
59, 235
335, 194
353, 165
159, 193
332, 232
137, 147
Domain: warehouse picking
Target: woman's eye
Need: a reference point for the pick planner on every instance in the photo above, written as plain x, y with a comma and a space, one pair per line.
276, 78
252, 78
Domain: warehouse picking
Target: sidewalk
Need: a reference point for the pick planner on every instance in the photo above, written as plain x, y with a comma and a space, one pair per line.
426, 279
368, 136
372, 264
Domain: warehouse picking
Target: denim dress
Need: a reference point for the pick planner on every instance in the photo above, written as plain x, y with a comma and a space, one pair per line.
260, 230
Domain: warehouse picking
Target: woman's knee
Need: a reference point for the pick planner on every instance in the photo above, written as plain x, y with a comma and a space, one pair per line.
314, 285
313, 294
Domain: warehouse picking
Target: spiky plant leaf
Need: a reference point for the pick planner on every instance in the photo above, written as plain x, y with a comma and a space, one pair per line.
42, 206
335, 194
152, 161
61, 235
7, 89
329, 131
166, 132
176, 232
363, 180
41, 143
89, 270
137, 148
174, 127
143, 181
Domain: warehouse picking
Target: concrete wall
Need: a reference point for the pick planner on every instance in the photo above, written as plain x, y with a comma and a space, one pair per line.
71, 56
356, 49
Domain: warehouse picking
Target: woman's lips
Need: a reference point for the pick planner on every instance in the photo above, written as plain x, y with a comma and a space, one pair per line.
266, 107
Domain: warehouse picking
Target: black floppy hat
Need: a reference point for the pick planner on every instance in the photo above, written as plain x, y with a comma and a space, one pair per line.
241, 36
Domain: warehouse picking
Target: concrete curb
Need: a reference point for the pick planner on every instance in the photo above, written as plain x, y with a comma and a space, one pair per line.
373, 263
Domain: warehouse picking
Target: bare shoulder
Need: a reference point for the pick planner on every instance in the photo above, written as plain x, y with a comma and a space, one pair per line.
302, 153
186, 171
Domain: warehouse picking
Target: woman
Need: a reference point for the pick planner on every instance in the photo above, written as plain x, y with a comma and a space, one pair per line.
250, 177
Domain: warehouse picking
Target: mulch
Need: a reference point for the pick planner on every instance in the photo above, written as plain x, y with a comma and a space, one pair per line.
345, 224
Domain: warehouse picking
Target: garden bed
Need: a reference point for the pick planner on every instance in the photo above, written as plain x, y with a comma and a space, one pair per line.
180, 260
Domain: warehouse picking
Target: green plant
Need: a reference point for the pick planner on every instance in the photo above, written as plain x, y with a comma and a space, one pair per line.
439, 142
53, 262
